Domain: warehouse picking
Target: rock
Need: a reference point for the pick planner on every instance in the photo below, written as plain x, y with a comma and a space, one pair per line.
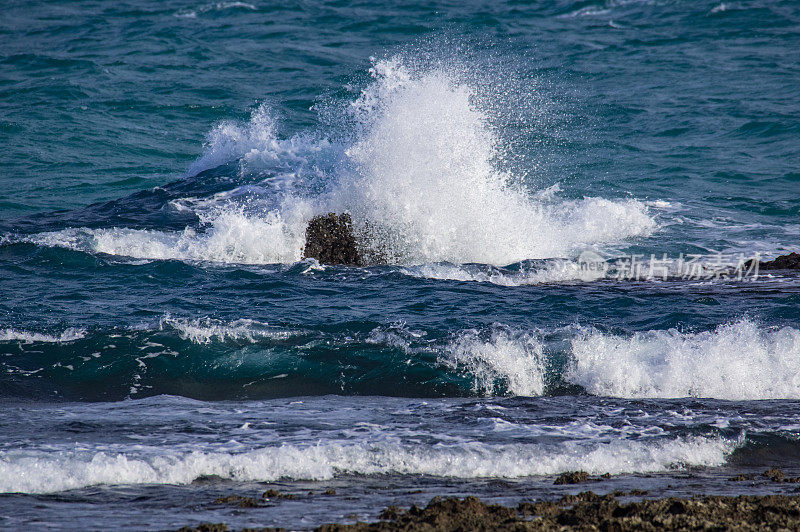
572, 477
206, 527
677, 507
586, 496
784, 262
241, 502
391, 513
275, 494
774, 474
592, 512
777, 475
207, 479
330, 240
584, 511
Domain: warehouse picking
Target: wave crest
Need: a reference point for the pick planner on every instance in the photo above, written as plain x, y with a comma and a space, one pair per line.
734, 361
47, 472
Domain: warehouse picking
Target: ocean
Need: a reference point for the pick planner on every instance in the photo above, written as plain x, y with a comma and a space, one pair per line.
559, 199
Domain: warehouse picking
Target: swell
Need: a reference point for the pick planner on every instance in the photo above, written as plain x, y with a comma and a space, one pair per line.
210, 359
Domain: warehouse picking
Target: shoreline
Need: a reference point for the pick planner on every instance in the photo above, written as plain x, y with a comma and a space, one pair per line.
618, 510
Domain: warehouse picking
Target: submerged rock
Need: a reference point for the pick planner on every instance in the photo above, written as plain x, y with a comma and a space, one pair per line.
330, 240
275, 494
572, 477
241, 502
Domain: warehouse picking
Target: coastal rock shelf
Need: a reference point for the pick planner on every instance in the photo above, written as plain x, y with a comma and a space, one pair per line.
584, 511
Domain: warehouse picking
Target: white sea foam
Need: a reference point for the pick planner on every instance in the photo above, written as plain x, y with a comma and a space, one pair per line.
232, 236
735, 361
588, 11
420, 178
721, 8
207, 330
553, 272
506, 362
69, 335
255, 145
231, 141
218, 6
46, 472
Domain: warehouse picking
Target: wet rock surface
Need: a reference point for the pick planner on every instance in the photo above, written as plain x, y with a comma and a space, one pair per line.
249, 502
206, 527
275, 494
236, 500
777, 475
783, 262
330, 240
572, 477
588, 511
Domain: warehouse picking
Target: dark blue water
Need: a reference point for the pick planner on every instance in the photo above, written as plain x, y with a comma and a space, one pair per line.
562, 198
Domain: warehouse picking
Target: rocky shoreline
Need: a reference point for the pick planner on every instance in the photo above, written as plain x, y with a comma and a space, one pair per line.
618, 511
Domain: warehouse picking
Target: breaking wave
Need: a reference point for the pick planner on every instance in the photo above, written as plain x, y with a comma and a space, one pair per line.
250, 358
419, 170
506, 362
735, 361
46, 472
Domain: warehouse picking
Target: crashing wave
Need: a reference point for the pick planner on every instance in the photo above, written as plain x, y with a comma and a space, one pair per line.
419, 177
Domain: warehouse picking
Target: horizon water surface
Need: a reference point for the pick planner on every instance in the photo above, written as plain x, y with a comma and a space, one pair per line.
163, 342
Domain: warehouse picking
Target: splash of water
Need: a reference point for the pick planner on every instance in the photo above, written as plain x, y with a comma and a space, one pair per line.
420, 177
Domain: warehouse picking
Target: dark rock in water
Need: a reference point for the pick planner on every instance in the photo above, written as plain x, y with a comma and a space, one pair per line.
572, 477
203, 480
777, 475
237, 500
774, 474
275, 494
330, 240
784, 262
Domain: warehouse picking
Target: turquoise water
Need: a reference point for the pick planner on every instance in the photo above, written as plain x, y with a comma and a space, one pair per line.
163, 341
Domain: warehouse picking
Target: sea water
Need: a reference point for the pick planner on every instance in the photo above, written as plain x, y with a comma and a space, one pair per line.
562, 197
